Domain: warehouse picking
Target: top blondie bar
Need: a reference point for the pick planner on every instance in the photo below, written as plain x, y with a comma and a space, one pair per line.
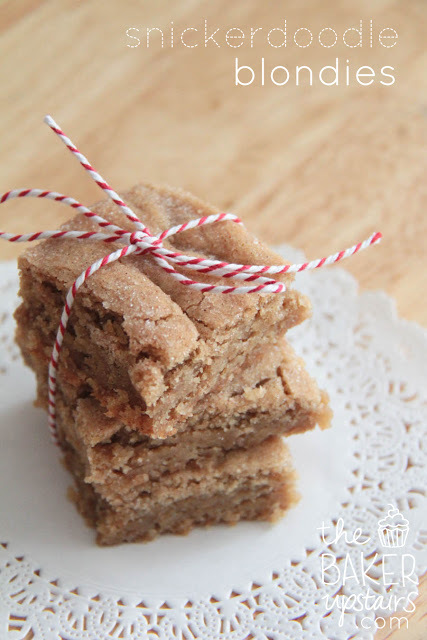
147, 348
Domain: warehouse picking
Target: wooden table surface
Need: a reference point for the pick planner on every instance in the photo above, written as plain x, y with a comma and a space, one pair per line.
318, 167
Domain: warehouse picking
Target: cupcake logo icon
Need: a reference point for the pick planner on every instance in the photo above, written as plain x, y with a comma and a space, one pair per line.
393, 529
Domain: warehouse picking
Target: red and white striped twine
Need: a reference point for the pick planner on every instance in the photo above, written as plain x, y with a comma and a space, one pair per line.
141, 242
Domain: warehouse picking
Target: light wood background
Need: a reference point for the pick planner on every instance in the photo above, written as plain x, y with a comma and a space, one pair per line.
317, 167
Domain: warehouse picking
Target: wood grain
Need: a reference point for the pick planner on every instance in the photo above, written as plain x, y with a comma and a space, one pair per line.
317, 167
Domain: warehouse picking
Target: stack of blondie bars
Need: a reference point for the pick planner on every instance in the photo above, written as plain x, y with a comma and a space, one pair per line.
171, 403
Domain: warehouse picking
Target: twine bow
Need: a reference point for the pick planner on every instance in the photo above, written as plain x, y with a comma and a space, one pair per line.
142, 242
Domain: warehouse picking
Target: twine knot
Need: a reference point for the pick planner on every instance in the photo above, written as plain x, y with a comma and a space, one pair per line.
144, 242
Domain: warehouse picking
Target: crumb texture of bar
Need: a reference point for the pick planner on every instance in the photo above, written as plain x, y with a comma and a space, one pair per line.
255, 486
245, 410
171, 404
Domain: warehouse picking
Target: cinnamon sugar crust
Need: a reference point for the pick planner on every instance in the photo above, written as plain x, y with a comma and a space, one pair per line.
146, 347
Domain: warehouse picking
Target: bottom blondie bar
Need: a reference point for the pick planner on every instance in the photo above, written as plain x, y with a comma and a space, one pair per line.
247, 485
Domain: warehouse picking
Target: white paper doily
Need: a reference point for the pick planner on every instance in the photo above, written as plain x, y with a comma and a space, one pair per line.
253, 580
